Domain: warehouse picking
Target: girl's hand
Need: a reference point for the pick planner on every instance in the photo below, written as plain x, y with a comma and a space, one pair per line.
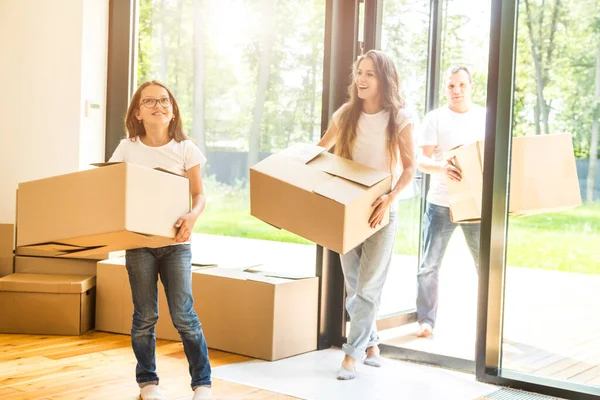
184, 226
381, 204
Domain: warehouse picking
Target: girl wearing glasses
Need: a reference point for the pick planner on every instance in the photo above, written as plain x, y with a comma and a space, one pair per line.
155, 138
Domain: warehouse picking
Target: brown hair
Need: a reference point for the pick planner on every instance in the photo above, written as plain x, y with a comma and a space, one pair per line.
391, 100
133, 128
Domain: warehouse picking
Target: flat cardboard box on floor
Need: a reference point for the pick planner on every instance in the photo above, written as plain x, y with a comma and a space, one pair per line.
256, 315
47, 304
55, 266
543, 177
7, 240
317, 195
118, 206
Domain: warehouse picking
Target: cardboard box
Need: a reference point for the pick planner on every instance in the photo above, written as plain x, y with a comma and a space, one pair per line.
543, 177
118, 206
255, 315
55, 266
44, 251
114, 305
241, 312
47, 304
322, 197
7, 240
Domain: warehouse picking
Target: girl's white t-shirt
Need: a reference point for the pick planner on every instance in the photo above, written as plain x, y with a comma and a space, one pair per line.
371, 146
176, 157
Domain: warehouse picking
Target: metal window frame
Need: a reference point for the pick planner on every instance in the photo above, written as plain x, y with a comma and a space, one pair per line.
341, 37
122, 33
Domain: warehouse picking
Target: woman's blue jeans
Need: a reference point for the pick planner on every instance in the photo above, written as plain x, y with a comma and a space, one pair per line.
365, 268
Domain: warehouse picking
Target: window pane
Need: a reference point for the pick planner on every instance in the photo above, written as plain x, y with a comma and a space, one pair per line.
248, 79
464, 41
551, 324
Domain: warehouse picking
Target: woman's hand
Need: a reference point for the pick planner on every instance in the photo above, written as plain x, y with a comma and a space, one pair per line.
381, 204
184, 226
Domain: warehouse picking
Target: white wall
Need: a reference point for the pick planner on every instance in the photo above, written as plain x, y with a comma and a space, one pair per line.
53, 59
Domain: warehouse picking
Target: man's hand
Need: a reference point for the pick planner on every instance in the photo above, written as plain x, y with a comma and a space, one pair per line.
452, 170
381, 204
184, 226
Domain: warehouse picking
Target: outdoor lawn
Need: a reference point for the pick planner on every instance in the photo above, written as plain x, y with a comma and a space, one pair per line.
567, 241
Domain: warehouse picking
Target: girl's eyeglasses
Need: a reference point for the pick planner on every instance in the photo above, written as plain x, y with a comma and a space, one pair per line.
151, 103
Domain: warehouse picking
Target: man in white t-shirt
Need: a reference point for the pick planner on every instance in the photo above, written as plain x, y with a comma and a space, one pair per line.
460, 122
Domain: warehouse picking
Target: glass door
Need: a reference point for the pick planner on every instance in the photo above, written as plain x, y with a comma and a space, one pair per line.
425, 38
540, 330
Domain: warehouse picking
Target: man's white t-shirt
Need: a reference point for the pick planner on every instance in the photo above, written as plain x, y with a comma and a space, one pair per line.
446, 130
176, 157
371, 146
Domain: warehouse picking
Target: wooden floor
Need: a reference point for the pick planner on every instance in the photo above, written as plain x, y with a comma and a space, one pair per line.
101, 365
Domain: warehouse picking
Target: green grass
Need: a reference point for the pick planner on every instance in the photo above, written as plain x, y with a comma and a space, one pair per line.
566, 241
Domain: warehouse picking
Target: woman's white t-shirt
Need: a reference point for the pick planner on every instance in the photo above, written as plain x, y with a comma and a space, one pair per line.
176, 157
371, 146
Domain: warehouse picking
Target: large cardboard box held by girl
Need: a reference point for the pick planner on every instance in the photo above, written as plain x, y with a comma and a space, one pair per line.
115, 207
317, 195
543, 177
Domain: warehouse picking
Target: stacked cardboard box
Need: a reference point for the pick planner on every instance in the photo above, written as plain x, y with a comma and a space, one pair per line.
55, 266
7, 240
47, 304
65, 224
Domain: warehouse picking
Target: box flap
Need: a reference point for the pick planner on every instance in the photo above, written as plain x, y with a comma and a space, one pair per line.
302, 152
44, 283
242, 275
277, 274
55, 249
348, 169
105, 164
290, 171
340, 190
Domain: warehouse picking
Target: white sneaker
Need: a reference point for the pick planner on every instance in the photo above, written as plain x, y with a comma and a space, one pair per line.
151, 392
202, 393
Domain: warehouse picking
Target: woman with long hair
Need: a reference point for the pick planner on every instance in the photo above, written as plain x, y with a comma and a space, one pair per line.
372, 128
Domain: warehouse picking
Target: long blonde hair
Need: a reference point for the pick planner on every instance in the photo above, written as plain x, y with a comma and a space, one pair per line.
133, 126
391, 101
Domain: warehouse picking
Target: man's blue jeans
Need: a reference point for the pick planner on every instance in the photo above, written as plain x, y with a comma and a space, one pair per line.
173, 264
365, 268
437, 230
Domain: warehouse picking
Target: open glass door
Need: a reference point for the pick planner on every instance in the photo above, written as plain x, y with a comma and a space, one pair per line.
425, 38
